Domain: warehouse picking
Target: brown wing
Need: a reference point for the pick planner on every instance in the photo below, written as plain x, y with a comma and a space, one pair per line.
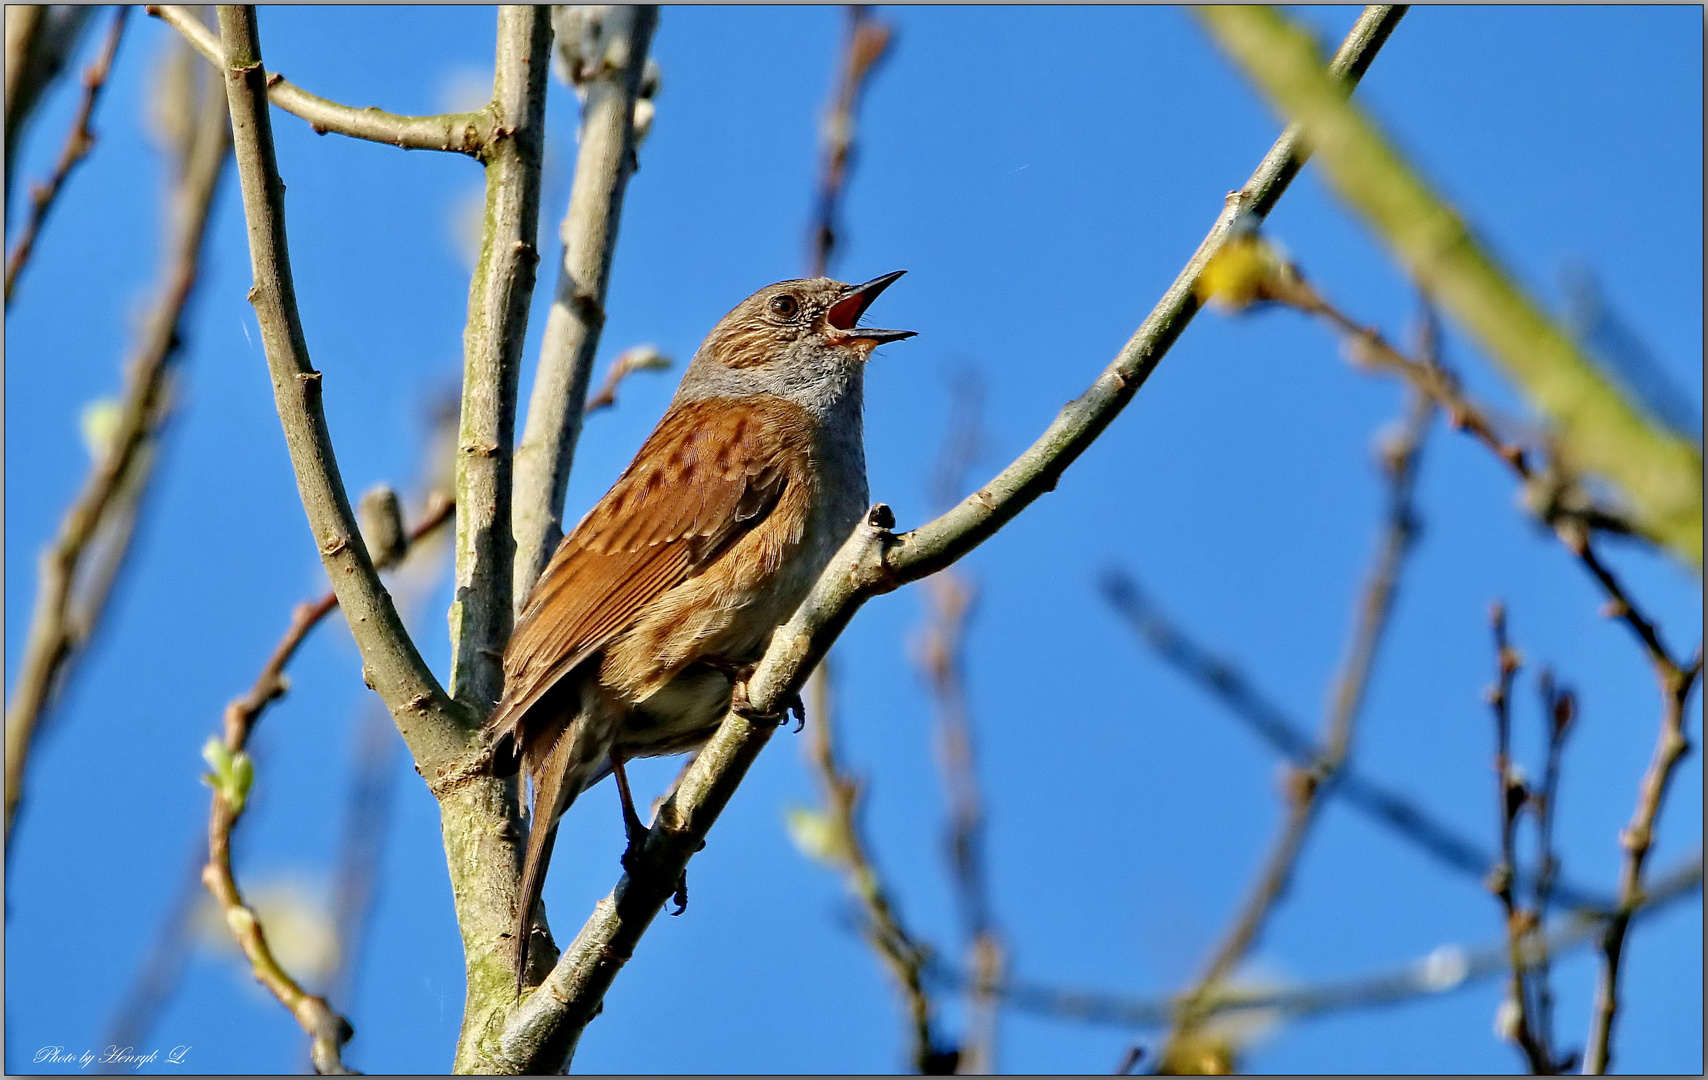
709, 473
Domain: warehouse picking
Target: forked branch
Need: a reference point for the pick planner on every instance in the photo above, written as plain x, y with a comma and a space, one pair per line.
542, 1030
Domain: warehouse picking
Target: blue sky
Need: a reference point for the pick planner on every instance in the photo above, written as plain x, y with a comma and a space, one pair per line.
1042, 174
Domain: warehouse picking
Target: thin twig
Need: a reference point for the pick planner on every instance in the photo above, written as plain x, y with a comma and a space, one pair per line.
1443, 970
1638, 839
606, 59
40, 40
880, 925
1519, 1014
1555, 496
1559, 709
1305, 785
78, 142
542, 1030
940, 652
327, 1030
461, 133
867, 42
1253, 707
77, 568
639, 358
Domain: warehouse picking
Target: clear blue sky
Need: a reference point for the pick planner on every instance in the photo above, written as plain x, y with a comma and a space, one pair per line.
1042, 174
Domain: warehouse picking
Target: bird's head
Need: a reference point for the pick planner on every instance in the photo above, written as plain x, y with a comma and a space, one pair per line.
793, 338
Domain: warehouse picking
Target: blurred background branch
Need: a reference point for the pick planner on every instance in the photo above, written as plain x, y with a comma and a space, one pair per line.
40, 41
78, 142
1598, 429
77, 571
1304, 786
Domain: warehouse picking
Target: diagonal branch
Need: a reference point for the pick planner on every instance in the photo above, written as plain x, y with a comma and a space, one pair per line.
461, 133
78, 567
1638, 840
607, 65
40, 40
1234, 689
1306, 785
77, 146
437, 730
542, 1030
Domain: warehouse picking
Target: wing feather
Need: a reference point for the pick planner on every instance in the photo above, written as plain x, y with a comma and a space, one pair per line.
709, 473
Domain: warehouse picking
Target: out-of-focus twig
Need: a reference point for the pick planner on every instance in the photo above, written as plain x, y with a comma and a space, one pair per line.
603, 51
1559, 709
1304, 786
639, 358
1443, 970
40, 40
461, 133
78, 568
1518, 1010
867, 42
327, 1030
940, 652
834, 835
1638, 839
1249, 704
78, 142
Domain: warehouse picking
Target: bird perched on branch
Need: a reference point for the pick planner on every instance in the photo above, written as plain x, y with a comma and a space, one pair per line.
644, 626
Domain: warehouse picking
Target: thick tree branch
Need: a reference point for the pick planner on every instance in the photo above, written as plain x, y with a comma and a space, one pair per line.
439, 733
543, 1029
1638, 840
499, 295
462, 133
78, 143
607, 64
79, 566
1306, 785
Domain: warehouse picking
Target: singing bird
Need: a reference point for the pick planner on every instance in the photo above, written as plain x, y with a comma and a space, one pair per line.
651, 613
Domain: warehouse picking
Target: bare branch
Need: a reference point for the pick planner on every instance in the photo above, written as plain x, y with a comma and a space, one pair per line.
607, 61
1638, 839
544, 1027
499, 295
868, 41
40, 40
639, 358
437, 730
78, 567
1305, 786
461, 133
1443, 970
78, 142
1518, 1014
843, 846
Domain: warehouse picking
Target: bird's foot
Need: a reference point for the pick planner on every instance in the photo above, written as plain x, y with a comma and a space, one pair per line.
680, 896
741, 706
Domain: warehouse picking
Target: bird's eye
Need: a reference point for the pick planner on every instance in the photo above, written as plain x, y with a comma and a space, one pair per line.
785, 306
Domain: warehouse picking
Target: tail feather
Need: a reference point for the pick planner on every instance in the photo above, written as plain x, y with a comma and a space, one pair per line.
559, 769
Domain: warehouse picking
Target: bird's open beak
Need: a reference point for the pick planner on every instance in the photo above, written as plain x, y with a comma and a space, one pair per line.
846, 312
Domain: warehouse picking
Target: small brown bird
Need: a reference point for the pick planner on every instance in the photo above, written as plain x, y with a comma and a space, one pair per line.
650, 614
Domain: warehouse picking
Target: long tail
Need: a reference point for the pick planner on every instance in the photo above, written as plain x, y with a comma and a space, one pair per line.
552, 795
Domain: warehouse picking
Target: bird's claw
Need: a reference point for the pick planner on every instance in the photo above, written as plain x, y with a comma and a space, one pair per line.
680, 895
744, 708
